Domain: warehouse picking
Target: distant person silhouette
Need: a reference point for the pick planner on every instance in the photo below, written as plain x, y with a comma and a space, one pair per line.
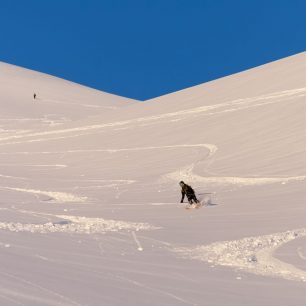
34, 95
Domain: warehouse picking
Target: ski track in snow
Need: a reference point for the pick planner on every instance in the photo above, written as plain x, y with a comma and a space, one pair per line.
300, 253
211, 147
157, 290
251, 254
36, 298
12, 177
229, 106
61, 197
75, 104
11, 300
187, 174
139, 246
33, 165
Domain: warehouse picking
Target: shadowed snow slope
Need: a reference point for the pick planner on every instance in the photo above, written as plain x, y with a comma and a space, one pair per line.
90, 211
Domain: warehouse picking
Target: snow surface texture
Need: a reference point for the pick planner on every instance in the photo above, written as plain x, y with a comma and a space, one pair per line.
90, 211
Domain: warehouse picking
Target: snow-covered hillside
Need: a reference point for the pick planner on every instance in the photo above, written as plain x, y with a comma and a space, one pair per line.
90, 211
57, 100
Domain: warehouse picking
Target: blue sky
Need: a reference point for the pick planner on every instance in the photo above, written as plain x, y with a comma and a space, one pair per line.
146, 48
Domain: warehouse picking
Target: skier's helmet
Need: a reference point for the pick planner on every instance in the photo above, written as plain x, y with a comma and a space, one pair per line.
182, 183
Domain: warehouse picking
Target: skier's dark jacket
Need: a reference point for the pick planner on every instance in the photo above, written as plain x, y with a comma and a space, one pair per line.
188, 191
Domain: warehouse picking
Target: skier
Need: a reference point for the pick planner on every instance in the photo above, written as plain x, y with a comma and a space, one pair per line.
189, 192
34, 95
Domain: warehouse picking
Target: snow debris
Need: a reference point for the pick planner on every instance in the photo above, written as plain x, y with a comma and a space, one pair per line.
76, 225
252, 254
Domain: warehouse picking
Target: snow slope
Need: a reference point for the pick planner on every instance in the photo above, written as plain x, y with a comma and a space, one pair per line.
57, 100
90, 211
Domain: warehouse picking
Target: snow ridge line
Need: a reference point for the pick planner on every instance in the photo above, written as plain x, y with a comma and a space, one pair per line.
251, 254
